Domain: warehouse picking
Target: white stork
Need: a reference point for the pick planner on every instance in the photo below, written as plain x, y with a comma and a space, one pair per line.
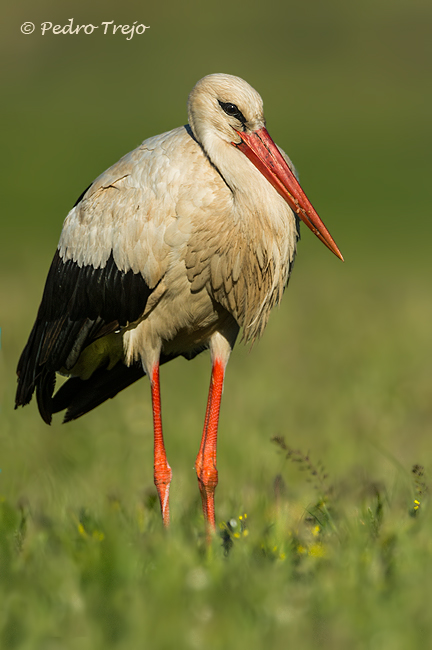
171, 251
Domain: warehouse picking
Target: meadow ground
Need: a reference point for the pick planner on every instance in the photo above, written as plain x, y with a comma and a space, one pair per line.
325, 534
337, 556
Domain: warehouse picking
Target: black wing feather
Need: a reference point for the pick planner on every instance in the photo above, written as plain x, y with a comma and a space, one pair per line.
79, 304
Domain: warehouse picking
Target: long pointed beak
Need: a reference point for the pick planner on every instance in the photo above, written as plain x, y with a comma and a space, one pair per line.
264, 154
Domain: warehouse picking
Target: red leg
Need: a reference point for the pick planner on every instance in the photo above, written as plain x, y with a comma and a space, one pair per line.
205, 464
162, 471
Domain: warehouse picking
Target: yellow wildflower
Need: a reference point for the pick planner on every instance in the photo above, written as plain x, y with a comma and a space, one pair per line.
301, 549
317, 550
99, 535
81, 530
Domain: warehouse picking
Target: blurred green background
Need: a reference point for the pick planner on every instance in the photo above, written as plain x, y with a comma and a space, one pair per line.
344, 366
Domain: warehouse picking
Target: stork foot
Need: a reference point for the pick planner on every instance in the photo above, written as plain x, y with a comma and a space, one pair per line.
207, 482
162, 481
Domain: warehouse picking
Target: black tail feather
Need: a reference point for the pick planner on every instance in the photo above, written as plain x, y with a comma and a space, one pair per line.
44, 390
80, 396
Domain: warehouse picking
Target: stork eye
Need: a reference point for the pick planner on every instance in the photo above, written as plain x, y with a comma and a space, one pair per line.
232, 111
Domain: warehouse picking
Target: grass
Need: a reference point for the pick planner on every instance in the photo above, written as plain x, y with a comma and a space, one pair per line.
347, 569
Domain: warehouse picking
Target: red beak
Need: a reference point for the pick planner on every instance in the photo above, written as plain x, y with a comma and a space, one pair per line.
264, 154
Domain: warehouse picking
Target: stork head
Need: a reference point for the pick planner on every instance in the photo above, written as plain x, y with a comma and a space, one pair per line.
228, 110
225, 105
